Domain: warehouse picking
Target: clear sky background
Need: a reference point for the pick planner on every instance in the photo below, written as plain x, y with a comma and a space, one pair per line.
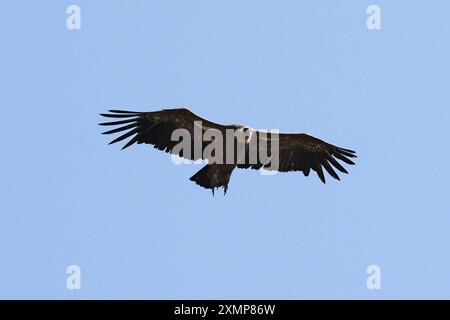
135, 224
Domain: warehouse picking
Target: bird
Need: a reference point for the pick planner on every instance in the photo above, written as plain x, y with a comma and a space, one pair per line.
294, 151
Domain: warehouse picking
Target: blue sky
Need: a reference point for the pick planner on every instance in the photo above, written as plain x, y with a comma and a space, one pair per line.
135, 224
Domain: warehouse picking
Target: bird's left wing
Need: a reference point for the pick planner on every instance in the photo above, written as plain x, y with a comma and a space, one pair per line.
156, 128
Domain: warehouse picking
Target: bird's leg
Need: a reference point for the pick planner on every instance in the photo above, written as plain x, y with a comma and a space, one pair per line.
225, 188
213, 190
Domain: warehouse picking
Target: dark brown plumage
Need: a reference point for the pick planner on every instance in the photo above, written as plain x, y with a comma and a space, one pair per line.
297, 151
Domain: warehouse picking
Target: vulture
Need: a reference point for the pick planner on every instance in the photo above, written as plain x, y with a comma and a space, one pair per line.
255, 149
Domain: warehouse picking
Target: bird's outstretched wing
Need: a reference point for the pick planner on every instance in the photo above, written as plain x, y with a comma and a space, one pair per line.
303, 152
156, 128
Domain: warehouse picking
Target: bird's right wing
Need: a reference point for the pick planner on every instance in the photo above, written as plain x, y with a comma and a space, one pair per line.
302, 152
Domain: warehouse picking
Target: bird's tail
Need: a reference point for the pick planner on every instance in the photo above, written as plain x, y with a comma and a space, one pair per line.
213, 176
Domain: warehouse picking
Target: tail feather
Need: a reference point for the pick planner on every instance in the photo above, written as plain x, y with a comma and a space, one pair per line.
203, 178
213, 177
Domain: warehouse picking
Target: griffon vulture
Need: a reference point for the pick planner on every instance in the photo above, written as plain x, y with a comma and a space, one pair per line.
290, 151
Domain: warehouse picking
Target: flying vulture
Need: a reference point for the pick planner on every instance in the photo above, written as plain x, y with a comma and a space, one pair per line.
285, 151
